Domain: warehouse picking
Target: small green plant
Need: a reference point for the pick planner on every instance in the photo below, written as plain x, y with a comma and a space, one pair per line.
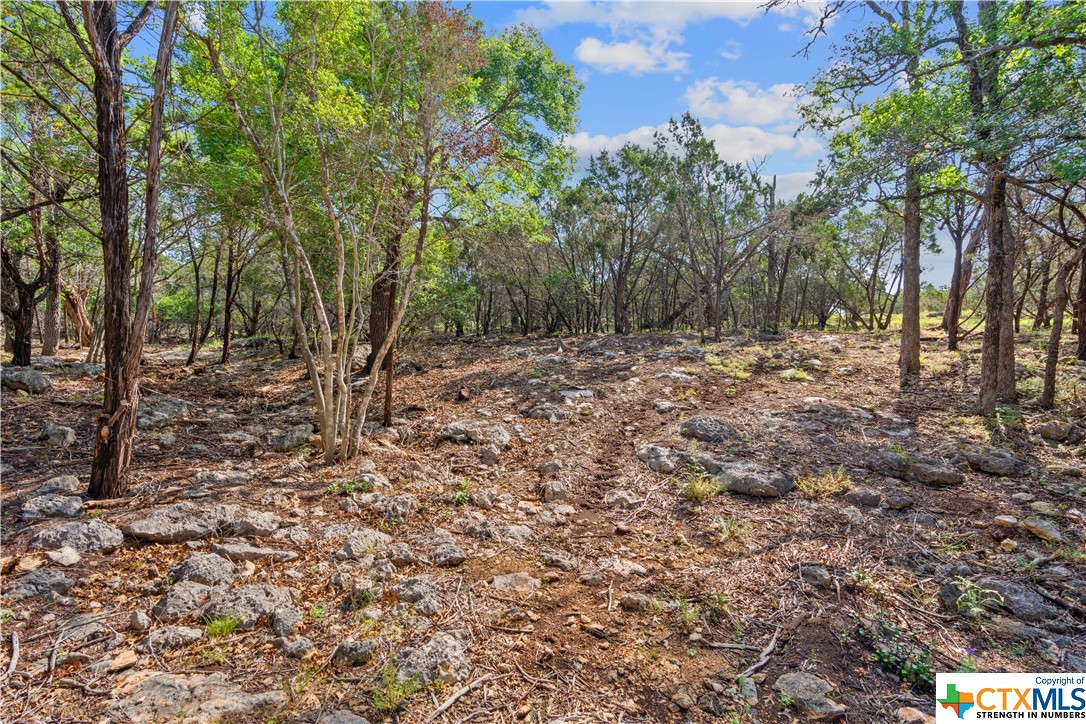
1008, 417
216, 654
699, 487
463, 493
350, 487
968, 664
221, 626
898, 650
1067, 552
687, 612
904, 455
535, 374
972, 599
795, 375
392, 692
6, 614
317, 610
822, 486
785, 699
733, 530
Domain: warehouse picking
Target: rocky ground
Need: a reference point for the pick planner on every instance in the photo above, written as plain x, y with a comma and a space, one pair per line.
631, 529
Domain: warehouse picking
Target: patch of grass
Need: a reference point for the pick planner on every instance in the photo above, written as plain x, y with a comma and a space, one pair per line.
795, 375
318, 610
699, 487
463, 493
738, 368
822, 486
733, 530
1067, 552
391, 693
972, 599
349, 487
216, 654
785, 699
221, 626
687, 613
899, 651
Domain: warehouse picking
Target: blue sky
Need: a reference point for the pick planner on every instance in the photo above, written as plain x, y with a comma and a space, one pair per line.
731, 64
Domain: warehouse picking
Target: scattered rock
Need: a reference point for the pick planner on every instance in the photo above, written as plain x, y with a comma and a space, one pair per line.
816, 576
548, 411
191, 698
519, 583
1016, 598
754, 479
222, 477
255, 604
991, 460
64, 556
909, 466
181, 522
206, 568
1055, 430
635, 602
343, 716
710, 703
159, 410
449, 556
622, 499
354, 653
181, 599
708, 429
909, 715
477, 431
57, 435
139, 621
30, 381
864, 497
400, 508
489, 454
61, 484
810, 695
553, 491
124, 660
441, 659
659, 459
362, 542
1043, 507
421, 592
168, 638
1005, 521
82, 535
52, 505
1046, 530
293, 646
246, 552
558, 558
41, 582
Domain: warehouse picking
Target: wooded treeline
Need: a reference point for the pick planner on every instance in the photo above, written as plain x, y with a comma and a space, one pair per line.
330, 176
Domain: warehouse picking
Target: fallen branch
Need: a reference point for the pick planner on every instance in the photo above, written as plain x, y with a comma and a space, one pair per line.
765, 655
14, 653
461, 692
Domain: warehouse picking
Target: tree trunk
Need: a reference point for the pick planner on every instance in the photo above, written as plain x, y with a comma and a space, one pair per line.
991, 346
1080, 312
1059, 304
124, 329
909, 361
51, 321
228, 307
383, 300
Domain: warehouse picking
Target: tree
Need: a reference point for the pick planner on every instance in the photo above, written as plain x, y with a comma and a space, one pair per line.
103, 43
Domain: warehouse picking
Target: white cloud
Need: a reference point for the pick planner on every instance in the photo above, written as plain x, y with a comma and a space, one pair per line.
663, 19
742, 101
786, 27
734, 144
732, 50
791, 185
632, 56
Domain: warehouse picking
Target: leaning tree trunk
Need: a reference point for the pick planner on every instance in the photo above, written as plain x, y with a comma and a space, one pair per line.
50, 330
1058, 305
